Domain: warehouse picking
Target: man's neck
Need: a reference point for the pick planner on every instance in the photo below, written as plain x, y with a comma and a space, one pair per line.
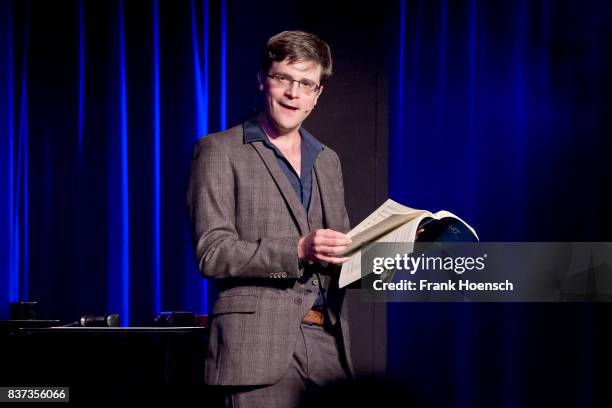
290, 139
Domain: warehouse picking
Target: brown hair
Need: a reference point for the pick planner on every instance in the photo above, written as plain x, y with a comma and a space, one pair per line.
298, 46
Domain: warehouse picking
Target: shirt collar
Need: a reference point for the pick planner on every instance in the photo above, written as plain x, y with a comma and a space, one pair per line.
253, 133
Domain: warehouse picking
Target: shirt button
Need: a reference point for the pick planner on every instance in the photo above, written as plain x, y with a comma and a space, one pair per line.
297, 301
315, 282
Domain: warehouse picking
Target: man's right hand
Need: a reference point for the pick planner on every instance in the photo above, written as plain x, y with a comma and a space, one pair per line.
321, 246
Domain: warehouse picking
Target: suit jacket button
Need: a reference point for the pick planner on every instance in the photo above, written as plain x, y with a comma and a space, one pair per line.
297, 301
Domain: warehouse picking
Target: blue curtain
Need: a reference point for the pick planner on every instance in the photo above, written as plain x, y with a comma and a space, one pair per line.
101, 105
500, 113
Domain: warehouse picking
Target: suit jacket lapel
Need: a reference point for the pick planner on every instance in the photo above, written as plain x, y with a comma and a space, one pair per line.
297, 209
325, 183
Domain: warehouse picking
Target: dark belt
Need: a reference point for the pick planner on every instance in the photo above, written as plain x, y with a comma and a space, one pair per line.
314, 316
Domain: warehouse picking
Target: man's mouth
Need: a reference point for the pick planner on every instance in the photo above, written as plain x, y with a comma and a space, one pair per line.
288, 107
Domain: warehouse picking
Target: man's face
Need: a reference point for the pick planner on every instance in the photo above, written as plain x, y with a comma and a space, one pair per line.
286, 103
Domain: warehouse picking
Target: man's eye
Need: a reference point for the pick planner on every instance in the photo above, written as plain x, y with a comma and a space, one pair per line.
308, 84
284, 78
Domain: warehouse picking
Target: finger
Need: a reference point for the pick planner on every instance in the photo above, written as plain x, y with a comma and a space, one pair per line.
329, 250
329, 233
326, 241
332, 259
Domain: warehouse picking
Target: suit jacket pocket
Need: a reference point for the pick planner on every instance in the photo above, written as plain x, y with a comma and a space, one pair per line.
236, 304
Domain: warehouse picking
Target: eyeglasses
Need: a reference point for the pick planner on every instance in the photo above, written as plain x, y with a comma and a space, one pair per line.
306, 86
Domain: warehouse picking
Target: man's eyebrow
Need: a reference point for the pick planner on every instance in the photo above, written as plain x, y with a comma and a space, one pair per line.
283, 73
291, 76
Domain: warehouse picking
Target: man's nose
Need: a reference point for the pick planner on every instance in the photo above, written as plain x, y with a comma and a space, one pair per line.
293, 90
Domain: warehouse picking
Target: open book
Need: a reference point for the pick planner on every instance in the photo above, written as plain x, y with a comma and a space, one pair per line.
391, 222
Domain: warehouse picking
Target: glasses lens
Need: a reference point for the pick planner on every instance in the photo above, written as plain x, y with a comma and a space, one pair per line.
308, 86
305, 86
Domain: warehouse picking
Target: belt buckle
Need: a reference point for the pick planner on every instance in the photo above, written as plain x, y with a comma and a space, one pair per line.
314, 317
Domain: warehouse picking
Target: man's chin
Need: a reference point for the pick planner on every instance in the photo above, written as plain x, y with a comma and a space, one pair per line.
288, 125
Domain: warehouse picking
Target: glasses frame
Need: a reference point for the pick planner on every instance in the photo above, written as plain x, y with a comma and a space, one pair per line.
301, 85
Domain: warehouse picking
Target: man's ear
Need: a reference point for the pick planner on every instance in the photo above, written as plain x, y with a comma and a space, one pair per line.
314, 103
318, 95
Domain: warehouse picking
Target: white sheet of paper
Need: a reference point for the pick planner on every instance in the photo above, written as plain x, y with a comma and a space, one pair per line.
388, 213
351, 269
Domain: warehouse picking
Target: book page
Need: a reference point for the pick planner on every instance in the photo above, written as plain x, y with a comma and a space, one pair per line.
387, 209
351, 269
376, 231
391, 222
385, 218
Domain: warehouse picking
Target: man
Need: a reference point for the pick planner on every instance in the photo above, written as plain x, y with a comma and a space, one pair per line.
266, 202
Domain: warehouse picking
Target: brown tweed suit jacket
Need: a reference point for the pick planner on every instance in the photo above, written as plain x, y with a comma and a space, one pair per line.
246, 222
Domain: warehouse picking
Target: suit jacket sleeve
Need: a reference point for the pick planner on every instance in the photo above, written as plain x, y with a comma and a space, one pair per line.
219, 250
346, 225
